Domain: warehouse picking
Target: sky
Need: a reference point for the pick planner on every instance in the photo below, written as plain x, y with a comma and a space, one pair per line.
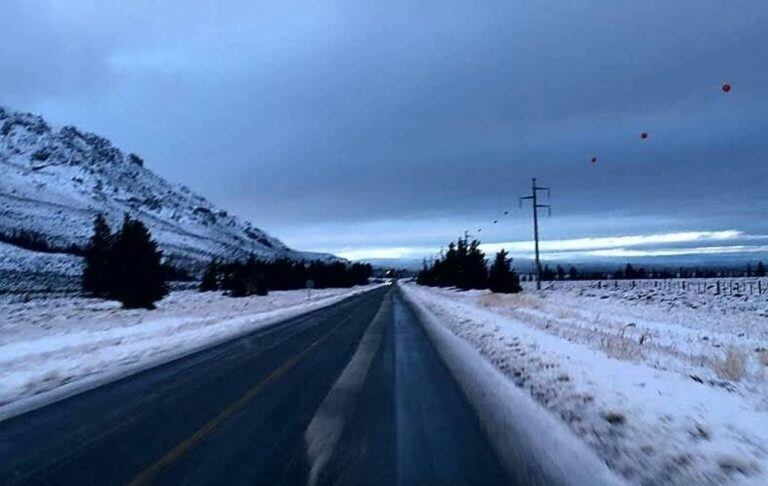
385, 129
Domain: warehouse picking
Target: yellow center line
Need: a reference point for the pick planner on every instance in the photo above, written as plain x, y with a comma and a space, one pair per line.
146, 475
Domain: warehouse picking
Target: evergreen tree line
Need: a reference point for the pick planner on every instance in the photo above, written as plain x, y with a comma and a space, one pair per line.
633, 272
125, 266
464, 266
257, 277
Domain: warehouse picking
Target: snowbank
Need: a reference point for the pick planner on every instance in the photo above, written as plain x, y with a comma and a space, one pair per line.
663, 393
53, 348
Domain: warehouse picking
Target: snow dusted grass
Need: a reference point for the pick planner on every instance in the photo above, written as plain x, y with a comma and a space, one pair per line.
666, 386
70, 343
25, 271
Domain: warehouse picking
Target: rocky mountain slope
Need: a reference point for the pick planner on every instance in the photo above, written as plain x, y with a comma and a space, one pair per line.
54, 180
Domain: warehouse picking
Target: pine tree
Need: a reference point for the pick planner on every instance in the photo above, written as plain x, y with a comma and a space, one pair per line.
210, 281
360, 273
460, 278
447, 270
476, 272
260, 285
760, 270
423, 277
95, 280
137, 278
235, 281
629, 271
501, 277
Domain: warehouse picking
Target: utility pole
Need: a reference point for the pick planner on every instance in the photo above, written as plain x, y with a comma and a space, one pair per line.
534, 197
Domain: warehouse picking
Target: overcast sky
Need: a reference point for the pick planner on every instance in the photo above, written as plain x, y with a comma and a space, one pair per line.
372, 128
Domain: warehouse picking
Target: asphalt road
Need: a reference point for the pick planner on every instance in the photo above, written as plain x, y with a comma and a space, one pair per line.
350, 394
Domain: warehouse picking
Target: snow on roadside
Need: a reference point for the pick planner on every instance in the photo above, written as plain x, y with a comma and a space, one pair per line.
532, 444
663, 394
55, 347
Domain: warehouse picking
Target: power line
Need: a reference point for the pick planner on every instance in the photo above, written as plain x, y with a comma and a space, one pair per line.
534, 197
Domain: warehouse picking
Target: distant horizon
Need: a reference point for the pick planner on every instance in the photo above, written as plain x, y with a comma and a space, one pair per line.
526, 266
702, 248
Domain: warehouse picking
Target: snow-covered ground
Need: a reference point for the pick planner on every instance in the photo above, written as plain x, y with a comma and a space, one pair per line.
50, 348
24, 271
665, 386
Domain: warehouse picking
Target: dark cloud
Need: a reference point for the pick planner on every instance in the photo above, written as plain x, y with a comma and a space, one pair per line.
329, 115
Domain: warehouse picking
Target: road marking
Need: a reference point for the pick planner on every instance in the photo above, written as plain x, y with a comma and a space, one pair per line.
146, 475
324, 431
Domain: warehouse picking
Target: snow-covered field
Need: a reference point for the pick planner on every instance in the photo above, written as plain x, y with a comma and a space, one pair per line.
666, 386
24, 271
50, 348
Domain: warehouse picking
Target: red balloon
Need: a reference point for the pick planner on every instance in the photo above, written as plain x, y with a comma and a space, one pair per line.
726, 88
644, 135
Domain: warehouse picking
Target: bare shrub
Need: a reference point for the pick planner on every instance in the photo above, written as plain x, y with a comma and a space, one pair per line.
731, 464
622, 347
495, 300
529, 301
734, 366
762, 357
614, 418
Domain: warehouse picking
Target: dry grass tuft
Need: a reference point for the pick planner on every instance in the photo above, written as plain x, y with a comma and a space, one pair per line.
492, 300
567, 313
734, 366
622, 347
762, 357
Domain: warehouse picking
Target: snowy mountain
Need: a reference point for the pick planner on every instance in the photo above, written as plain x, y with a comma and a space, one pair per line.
55, 180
